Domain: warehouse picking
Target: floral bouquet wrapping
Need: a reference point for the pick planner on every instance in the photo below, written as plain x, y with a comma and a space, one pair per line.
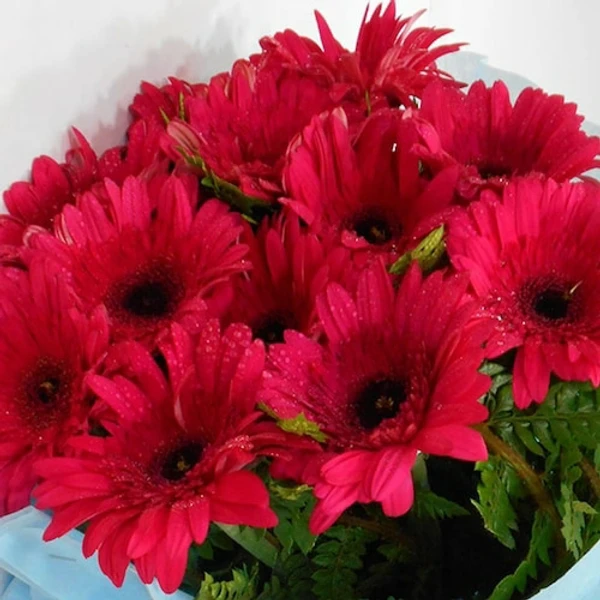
325, 327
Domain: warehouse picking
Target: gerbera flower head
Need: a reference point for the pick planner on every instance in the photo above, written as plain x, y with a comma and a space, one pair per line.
390, 65
369, 191
494, 141
141, 155
47, 346
175, 460
290, 267
52, 185
241, 126
150, 264
399, 375
533, 261
159, 105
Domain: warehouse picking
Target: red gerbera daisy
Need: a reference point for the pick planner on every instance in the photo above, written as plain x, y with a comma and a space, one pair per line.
47, 345
159, 105
399, 375
11, 240
52, 185
175, 461
149, 266
141, 155
242, 125
290, 267
533, 261
494, 141
392, 62
370, 191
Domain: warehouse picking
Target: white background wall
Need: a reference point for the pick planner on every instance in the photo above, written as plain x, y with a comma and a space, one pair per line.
74, 62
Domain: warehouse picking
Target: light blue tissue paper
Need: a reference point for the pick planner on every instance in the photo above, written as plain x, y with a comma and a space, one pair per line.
31, 569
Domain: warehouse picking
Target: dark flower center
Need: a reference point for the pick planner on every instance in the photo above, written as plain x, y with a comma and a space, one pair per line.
180, 461
46, 392
150, 294
380, 400
148, 299
270, 327
374, 229
491, 171
552, 304
552, 300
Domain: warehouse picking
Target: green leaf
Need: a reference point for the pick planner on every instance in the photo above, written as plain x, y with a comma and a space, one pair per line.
230, 193
573, 520
491, 369
494, 504
542, 537
299, 424
427, 253
339, 557
241, 587
253, 541
428, 505
569, 417
293, 505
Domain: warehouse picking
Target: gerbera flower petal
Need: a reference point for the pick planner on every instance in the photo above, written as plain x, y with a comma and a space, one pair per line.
177, 540
531, 375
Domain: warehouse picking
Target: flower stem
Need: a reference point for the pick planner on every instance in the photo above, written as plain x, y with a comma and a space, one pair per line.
530, 478
592, 476
263, 547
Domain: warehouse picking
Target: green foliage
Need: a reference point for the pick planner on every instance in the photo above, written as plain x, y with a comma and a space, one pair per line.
568, 418
431, 506
253, 540
495, 504
338, 559
291, 580
542, 536
230, 193
242, 586
427, 253
293, 506
299, 425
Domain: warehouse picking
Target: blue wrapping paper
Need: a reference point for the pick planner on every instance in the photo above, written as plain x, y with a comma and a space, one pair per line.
31, 569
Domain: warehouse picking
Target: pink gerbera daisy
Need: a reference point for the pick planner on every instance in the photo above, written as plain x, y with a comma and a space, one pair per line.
533, 261
290, 267
175, 460
47, 346
148, 265
157, 106
241, 126
141, 155
390, 66
368, 191
399, 375
493, 141
52, 185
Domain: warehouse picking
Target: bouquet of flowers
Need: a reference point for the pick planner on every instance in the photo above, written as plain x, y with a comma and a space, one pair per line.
325, 327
